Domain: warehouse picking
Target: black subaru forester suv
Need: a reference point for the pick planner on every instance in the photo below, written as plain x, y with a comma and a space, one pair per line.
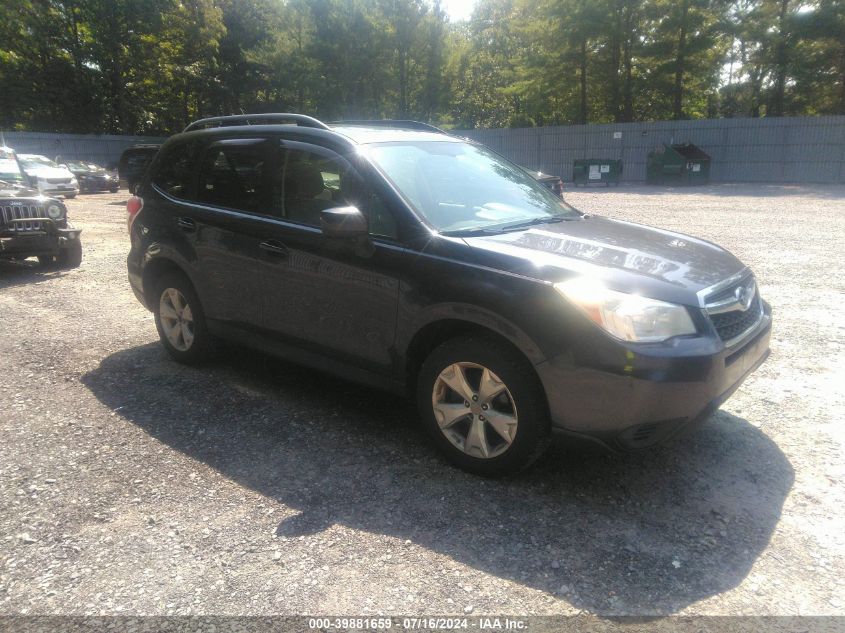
431, 266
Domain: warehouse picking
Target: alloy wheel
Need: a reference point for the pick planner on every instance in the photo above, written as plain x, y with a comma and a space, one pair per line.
474, 410
177, 320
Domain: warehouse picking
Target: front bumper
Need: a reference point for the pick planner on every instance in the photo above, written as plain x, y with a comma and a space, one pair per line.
97, 184
648, 399
49, 189
32, 243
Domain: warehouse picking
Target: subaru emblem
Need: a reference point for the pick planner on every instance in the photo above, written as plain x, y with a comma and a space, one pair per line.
745, 295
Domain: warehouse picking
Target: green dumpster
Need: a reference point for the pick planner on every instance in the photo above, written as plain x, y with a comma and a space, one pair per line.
589, 171
681, 164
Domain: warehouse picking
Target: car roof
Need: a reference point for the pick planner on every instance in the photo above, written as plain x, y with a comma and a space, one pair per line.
33, 156
346, 133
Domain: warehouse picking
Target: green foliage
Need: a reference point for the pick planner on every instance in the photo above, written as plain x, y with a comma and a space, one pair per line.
151, 66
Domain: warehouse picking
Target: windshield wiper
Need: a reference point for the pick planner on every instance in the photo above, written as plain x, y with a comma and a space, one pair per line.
504, 228
553, 219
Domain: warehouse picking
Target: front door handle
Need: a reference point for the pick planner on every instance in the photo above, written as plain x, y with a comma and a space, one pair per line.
186, 224
274, 247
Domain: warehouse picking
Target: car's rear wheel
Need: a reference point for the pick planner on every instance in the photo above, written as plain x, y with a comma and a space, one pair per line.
483, 406
180, 319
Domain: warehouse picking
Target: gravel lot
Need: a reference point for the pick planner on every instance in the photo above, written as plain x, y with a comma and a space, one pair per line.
129, 484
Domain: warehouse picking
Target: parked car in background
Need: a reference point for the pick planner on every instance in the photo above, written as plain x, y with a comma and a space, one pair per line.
32, 224
49, 178
429, 265
12, 175
133, 163
92, 177
552, 183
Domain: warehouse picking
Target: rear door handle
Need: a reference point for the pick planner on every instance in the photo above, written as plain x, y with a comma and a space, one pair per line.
186, 224
275, 247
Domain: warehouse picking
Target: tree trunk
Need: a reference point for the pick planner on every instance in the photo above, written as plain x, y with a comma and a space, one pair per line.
403, 84
582, 113
615, 60
628, 64
680, 61
842, 78
780, 63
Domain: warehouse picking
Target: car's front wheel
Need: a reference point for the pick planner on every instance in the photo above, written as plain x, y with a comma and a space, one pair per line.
483, 405
180, 319
69, 257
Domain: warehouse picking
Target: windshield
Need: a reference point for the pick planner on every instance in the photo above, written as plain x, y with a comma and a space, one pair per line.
9, 169
36, 162
460, 187
78, 166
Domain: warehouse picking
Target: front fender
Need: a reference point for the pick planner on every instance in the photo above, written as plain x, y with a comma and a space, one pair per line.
476, 315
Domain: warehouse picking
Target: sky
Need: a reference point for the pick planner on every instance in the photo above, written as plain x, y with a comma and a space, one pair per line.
458, 9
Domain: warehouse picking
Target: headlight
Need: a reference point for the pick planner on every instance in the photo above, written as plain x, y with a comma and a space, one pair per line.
54, 211
626, 316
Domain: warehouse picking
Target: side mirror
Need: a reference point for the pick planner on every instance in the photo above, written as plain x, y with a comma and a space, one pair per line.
343, 222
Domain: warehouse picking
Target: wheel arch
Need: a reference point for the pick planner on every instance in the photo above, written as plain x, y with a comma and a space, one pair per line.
439, 330
154, 269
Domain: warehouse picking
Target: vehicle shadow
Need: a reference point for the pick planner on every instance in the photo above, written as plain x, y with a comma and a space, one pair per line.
646, 534
27, 271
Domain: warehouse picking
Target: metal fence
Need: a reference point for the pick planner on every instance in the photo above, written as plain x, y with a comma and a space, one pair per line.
779, 150
95, 148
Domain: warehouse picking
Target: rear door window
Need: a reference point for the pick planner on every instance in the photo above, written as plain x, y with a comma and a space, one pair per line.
174, 174
233, 175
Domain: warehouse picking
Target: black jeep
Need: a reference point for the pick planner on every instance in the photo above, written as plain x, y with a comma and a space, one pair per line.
31, 224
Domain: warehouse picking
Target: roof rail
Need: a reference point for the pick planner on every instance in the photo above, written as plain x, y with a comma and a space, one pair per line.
401, 124
274, 118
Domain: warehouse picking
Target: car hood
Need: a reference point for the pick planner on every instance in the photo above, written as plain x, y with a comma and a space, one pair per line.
624, 256
21, 191
49, 172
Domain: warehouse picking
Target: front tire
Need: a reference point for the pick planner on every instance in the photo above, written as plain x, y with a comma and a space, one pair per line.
180, 319
483, 406
70, 257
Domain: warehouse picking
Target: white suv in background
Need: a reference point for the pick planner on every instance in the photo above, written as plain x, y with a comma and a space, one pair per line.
48, 177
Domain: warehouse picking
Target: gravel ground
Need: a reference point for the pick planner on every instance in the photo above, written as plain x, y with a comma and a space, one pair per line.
129, 484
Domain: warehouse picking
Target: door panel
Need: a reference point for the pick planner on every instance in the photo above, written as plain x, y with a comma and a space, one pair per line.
227, 254
330, 295
231, 195
328, 298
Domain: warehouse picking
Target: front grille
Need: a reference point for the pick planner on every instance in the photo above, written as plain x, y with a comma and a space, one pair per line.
58, 181
20, 212
729, 325
730, 315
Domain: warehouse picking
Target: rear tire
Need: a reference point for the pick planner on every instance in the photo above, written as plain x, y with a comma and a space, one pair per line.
180, 319
487, 436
